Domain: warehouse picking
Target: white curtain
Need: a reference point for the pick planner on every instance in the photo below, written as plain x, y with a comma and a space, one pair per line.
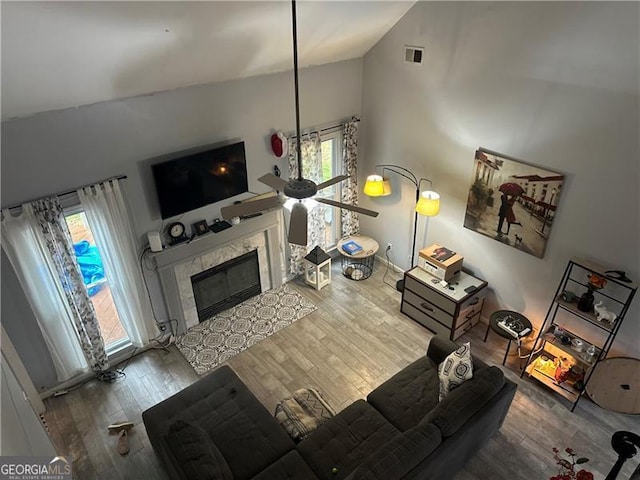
26, 248
107, 215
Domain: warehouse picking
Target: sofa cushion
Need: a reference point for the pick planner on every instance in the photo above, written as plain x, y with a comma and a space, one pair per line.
289, 467
230, 414
397, 457
465, 401
455, 370
409, 395
339, 445
197, 455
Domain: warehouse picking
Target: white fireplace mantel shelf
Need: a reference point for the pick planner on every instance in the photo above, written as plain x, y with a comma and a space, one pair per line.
204, 243
171, 262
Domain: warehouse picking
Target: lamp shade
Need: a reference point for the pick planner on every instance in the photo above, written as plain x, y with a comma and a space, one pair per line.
428, 204
386, 187
377, 186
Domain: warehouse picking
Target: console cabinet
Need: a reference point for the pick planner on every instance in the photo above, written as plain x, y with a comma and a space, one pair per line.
446, 310
575, 339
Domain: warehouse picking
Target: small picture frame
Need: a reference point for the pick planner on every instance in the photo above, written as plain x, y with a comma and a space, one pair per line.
201, 227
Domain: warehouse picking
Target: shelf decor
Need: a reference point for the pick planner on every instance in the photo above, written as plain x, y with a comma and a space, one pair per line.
596, 282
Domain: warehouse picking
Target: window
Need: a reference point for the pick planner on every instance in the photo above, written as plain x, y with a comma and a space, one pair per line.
90, 263
331, 145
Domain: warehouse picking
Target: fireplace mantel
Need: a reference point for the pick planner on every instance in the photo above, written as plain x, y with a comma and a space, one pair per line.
171, 262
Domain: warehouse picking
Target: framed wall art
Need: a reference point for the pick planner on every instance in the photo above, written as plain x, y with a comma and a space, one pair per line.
512, 201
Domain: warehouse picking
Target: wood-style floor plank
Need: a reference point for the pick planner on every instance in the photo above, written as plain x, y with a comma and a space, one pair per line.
354, 341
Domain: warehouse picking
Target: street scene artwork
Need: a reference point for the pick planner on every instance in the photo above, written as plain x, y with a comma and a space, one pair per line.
512, 202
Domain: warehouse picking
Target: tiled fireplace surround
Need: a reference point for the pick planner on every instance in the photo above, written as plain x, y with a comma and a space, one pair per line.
176, 265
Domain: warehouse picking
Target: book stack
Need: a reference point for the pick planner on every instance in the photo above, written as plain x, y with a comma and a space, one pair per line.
351, 247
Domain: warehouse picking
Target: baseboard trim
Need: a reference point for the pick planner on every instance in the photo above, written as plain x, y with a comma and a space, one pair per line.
393, 267
119, 357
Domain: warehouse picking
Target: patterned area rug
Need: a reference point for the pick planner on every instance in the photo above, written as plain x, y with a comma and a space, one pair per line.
214, 341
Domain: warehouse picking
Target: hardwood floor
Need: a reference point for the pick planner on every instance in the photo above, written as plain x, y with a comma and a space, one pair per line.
356, 339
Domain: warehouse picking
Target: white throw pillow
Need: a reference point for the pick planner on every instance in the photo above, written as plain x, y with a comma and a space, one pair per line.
455, 370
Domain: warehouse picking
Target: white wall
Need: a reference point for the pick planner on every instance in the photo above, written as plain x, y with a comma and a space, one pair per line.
60, 150
554, 84
20, 324
56, 151
22, 431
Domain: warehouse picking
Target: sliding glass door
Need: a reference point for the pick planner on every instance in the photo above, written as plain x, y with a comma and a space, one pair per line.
90, 263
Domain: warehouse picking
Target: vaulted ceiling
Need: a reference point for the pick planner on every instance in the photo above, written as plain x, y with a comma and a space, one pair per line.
64, 54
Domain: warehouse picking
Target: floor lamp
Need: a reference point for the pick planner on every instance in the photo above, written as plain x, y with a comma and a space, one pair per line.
427, 201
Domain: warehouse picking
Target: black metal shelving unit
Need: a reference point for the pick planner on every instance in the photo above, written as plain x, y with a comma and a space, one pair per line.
616, 296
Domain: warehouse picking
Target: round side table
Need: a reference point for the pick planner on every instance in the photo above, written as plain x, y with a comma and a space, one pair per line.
510, 316
614, 385
358, 265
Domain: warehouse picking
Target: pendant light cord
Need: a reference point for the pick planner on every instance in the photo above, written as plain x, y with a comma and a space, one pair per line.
295, 81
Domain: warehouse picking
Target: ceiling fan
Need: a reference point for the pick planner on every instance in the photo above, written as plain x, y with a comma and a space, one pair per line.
297, 188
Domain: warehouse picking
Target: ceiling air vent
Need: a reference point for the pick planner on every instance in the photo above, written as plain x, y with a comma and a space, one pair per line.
413, 54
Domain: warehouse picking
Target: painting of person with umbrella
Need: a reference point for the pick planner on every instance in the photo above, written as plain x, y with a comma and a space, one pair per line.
510, 192
528, 197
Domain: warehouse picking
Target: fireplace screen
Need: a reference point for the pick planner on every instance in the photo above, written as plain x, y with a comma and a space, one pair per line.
226, 285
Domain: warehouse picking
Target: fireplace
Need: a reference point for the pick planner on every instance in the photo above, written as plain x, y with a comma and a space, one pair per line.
176, 265
226, 285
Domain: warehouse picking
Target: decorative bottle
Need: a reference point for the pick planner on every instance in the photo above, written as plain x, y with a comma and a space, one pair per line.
585, 304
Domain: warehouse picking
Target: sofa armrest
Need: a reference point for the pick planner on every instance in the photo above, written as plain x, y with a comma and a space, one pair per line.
399, 455
440, 347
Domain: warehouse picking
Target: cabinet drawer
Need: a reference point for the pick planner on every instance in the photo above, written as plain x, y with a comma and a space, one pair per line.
469, 312
430, 295
428, 308
425, 320
475, 300
464, 324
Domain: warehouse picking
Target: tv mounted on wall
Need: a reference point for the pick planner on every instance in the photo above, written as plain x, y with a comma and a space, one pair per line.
198, 179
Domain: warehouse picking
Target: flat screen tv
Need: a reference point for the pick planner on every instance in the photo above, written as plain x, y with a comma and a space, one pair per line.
198, 179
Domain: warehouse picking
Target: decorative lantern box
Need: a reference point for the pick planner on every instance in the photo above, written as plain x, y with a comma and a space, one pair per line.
440, 262
317, 268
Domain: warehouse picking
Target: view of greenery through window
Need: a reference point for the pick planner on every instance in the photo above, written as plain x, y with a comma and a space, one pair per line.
330, 170
92, 271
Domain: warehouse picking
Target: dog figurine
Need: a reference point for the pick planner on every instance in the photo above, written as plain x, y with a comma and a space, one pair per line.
604, 315
518, 239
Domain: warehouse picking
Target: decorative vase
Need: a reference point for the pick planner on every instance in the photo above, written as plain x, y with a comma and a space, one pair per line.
585, 304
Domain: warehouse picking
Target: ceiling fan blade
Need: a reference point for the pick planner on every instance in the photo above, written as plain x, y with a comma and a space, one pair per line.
298, 224
274, 182
332, 181
249, 207
346, 206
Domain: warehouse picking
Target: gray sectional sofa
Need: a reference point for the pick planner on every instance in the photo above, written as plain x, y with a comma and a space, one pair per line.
217, 429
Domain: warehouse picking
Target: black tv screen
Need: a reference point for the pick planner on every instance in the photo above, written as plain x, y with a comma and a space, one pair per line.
195, 180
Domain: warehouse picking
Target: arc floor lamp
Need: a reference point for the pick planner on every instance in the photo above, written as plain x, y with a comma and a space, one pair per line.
427, 201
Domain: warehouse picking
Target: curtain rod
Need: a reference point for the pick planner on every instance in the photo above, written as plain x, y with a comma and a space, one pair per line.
68, 192
324, 128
